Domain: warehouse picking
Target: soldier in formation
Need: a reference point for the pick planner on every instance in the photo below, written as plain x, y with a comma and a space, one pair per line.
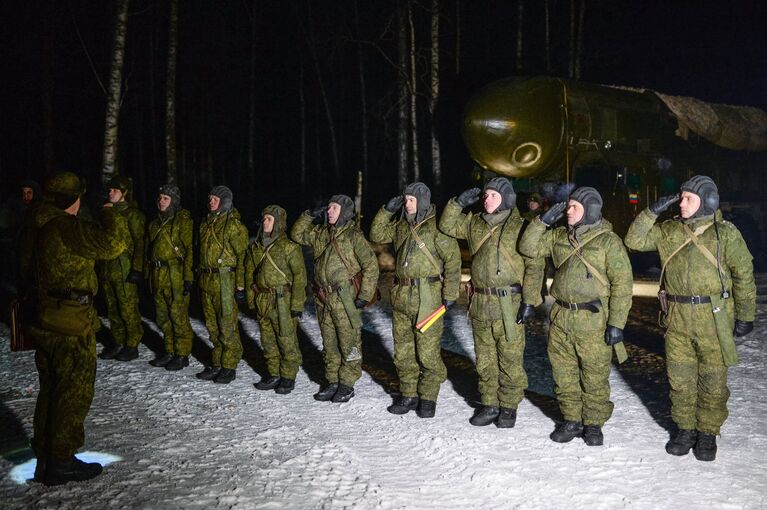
428, 274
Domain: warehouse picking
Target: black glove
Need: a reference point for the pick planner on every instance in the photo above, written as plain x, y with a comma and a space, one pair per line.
360, 304
468, 197
134, 277
525, 313
742, 328
663, 203
554, 213
395, 204
448, 303
188, 286
613, 335
319, 214
296, 315
239, 296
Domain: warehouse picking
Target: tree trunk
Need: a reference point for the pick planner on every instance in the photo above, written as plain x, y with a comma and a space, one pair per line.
547, 32
579, 44
252, 111
170, 94
108, 167
363, 98
520, 26
402, 128
436, 163
413, 96
153, 36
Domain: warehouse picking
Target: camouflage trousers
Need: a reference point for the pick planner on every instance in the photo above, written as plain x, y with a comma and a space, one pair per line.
341, 343
66, 366
122, 310
417, 356
282, 354
502, 377
172, 309
221, 320
580, 363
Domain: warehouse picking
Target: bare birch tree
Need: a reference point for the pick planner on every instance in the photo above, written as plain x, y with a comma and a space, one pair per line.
436, 163
413, 96
363, 97
170, 94
402, 79
115, 93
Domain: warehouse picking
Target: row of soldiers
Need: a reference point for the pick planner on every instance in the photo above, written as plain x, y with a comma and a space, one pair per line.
709, 300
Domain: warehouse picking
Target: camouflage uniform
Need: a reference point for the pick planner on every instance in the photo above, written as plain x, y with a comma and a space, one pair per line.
64, 269
275, 282
499, 269
169, 265
223, 241
419, 289
580, 357
340, 321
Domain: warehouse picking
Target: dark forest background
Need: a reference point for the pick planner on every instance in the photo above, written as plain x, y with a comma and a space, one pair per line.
270, 61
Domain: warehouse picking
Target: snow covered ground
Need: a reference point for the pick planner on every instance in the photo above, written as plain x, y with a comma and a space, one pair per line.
184, 443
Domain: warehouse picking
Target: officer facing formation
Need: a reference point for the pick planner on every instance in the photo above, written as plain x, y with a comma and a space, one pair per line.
506, 287
707, 281
66, 322
592, 291
121, 276
345, 279
169, 266
428, 274
275, 283
223, 241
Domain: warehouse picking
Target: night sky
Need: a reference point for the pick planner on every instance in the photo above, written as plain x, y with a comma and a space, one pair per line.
715, 51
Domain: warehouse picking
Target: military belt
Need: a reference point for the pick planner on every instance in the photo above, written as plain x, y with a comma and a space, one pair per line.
164, 263
499, 291
693, 300
591, 306
82, 297
416, 281
271, 290
212, 270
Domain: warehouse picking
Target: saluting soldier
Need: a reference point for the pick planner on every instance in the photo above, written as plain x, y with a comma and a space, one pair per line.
121, 276
275, 283
707, 284
592, 291
345, 280
64, 332
223, 241
506, 286
428, 274
169, 263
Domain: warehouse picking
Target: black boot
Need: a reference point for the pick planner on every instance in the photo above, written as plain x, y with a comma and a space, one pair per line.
285, 386
325, 394
225, 376
344, 393
403, 405
485, 416
208, 374
268, 383
110, 352
592, 435
70, 470
426, 409
507, 418
161, 361
40, 470
567, 431
177, 363
127, 354
705, 447
682, 441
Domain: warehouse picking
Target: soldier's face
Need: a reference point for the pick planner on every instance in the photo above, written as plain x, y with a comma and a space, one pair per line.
213, 203
27, 194
574, 212
163, 202
115, 195
411, 204
268, 223
533, 206
689, 204
492, 201
334, 211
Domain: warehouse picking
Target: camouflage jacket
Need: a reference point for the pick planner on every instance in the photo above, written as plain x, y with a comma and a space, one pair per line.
330, 261
170, 239
25, 243
496, 261
574, 282
689, 273
412, 260
261, 271
223, 241
132, 257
